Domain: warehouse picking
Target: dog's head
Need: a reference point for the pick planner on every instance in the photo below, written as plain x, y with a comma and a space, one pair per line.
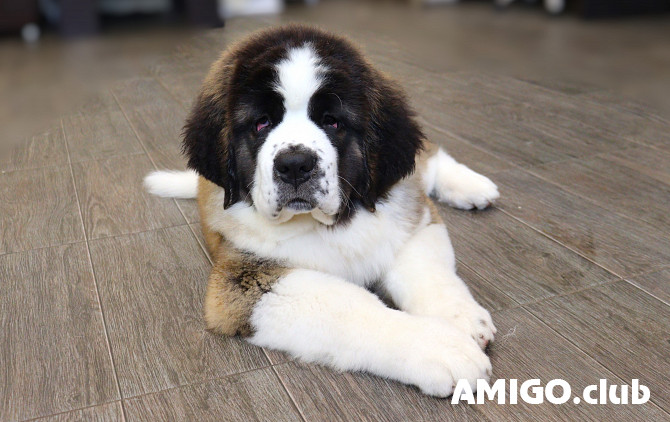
294, 120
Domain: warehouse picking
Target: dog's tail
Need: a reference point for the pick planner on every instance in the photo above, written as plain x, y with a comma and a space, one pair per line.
172, 184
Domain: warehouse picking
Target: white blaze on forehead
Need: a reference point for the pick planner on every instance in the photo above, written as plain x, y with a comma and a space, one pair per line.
299, 77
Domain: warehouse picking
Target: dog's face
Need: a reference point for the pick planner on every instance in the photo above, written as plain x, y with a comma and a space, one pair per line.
291, 131
295, 121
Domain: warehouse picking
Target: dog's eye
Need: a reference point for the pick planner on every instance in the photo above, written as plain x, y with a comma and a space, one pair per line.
262, 123
330, 121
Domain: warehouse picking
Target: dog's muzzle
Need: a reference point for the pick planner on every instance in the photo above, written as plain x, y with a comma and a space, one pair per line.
296, 173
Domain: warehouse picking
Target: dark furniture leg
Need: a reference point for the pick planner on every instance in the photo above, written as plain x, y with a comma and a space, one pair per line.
79, 17
203, 13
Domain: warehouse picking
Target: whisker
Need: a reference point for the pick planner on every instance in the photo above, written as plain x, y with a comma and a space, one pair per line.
346, 204
345, 180
249, 187
338, 97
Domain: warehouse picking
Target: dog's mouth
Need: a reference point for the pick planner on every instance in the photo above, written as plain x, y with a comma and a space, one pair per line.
299, 204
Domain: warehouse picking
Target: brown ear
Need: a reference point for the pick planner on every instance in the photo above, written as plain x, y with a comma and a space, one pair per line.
206, 134
394, 138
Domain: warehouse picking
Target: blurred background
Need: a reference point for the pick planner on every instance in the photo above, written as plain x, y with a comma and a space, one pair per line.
56, 53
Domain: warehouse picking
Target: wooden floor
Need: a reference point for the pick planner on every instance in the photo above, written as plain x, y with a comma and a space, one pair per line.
102, 284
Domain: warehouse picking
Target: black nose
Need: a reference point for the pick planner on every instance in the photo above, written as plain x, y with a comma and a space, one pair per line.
295, 167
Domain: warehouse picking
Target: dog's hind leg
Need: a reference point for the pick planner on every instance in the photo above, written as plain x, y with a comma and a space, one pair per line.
454, 183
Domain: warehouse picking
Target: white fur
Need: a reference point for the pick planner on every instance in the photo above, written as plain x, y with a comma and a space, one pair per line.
300, 75
322, 318
299, 78
456, 184
172, 184
423, 281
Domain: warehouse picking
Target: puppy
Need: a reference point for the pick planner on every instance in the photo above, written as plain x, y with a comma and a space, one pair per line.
303, 159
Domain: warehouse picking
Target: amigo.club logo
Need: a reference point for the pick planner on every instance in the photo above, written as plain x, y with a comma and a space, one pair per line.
556, 391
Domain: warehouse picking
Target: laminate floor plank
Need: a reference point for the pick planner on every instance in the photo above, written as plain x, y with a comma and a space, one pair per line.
613, 186
198, 53
623, 103
152, 287
158, 120
620, 326
643, 123
52, 342
516, 259
631, 125
574, 137
519, 131
622, 245
323, 394
487, 294
567, 86
523, 133
656, 283
154, 114
189, 208
478, 125
183, 86
99, 130
46, 149
196, 228
110, 412
521, 108
527, 349
252, 396
477, 159
648, 161
114, 201
38, 209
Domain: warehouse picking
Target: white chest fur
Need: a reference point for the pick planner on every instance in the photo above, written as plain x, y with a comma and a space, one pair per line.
360, 251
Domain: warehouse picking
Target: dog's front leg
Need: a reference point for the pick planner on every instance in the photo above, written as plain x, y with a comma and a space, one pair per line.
321, 318
423, 281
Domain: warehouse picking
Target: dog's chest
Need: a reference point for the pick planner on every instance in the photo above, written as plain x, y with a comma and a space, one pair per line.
360, 252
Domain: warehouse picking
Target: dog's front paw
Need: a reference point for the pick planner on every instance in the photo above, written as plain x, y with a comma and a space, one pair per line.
440, 355
466, 189
475, 321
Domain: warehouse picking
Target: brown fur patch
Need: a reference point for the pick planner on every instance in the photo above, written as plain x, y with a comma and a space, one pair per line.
236, 284
206, 209
435, 217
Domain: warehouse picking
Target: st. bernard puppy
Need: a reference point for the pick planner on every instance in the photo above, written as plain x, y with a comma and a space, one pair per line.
303, 159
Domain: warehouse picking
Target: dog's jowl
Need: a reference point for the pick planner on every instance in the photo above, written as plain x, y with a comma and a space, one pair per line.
313, 179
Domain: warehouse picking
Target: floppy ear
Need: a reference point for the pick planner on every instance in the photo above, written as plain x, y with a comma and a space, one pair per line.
206, 136
393, 141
